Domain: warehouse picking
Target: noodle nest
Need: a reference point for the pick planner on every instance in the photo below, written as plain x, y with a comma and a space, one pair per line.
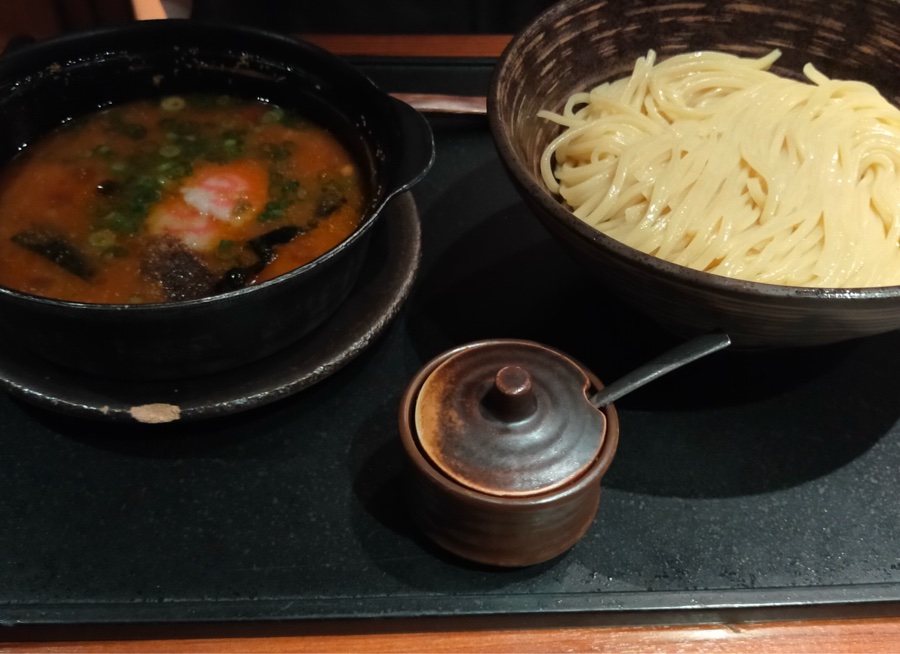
711, 161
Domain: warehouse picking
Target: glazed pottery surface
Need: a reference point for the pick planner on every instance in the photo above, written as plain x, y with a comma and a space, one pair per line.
506, 454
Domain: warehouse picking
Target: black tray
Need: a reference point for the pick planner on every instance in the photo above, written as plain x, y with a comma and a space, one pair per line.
746, 482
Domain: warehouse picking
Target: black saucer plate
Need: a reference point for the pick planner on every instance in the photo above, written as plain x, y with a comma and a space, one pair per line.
384, 284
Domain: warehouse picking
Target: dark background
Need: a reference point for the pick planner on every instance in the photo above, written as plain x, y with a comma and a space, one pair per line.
44, 18
379, 16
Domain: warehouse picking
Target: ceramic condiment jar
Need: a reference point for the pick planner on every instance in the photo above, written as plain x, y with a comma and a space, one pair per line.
506, 451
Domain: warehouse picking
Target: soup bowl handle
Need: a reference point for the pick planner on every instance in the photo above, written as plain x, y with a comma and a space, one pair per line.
413, 147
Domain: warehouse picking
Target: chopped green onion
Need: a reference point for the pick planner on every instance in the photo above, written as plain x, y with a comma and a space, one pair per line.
102, 238
273, 115
170, 150
225, 249
172, 103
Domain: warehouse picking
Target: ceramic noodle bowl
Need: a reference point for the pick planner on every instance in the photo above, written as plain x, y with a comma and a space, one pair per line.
578, 44
45, 84
505, 452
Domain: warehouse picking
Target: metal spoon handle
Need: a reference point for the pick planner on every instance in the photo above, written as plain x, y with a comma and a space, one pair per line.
692, 350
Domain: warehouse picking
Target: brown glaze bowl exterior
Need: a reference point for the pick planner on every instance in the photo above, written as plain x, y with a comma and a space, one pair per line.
507, 531
577, 44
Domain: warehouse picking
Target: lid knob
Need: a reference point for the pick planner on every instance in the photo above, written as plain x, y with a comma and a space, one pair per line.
512, 397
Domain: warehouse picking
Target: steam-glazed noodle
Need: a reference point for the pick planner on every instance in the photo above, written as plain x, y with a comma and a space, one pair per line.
713, 162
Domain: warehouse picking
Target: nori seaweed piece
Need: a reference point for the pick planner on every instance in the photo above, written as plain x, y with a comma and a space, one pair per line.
181, 274
263, 247
56, 248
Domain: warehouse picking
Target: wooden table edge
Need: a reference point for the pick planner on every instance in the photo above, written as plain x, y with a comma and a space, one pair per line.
853, 636
410, 45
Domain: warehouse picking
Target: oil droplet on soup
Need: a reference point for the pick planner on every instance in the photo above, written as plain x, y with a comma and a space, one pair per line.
174, 199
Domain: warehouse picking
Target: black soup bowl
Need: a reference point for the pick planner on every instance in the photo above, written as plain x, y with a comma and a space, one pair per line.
577, 44
45, 84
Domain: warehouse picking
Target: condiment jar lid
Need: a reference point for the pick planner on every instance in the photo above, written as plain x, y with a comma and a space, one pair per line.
508, 418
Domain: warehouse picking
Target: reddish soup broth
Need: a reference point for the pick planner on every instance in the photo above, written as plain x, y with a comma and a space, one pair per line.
173, 199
